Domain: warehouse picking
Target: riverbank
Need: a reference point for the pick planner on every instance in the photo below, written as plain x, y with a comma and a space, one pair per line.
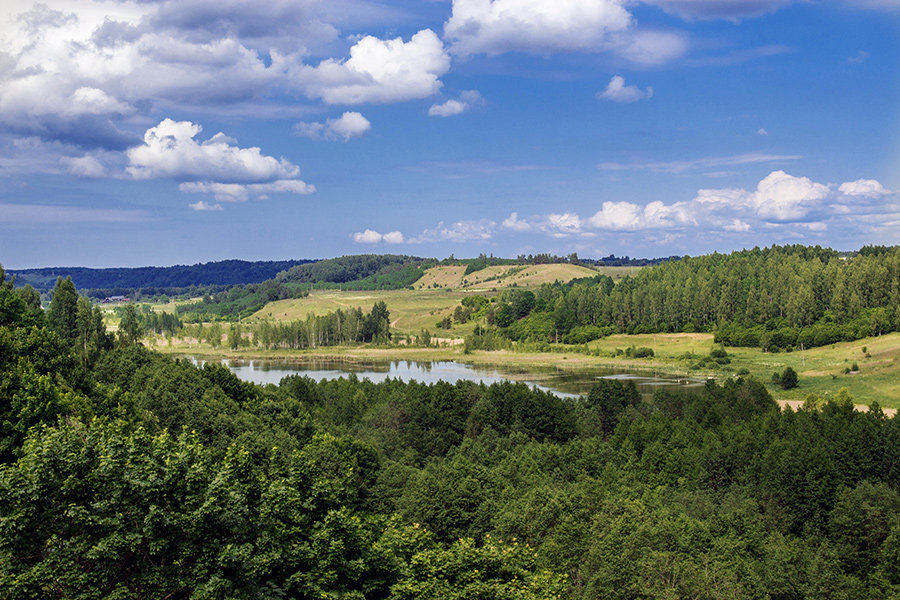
823, 371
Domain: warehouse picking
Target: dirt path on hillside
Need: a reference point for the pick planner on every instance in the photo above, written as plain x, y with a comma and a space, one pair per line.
795, 404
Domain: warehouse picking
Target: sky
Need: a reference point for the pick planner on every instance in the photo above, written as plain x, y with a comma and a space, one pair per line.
161, 132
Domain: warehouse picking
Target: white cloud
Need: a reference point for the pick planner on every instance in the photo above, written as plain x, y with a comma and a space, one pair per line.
617, 91
562, 225
515, 223
762, 131
467, 99
497, 26
651, 48
630, 216
783, 197
170, 150
370, 236
240, 192
393, 237
494, 27
738, 226
84, 166
379, 71
447, 109
859, 57
461, 231
367, 237
201, 205
349, 125
863, 187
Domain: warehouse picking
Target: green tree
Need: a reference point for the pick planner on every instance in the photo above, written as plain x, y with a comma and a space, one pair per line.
130, 329
788, 379
63, 312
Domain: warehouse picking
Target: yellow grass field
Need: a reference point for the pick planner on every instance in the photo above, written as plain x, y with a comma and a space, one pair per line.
508, 275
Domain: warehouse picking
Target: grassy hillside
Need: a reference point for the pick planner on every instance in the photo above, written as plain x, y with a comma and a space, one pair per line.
411, 311
508, 275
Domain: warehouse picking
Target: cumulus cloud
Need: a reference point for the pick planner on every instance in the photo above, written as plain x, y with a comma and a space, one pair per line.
496, 26
630, 216
737, 225
349, 125
514, 223
64, 76
562, 224
783, 197
170, 150
379, 71
460, 231
466, 100
241, 192
370, 236
617, 91
863, 187
779, 201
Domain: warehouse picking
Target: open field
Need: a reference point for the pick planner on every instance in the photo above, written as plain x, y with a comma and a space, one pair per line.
411, 311
509, 275
821, 370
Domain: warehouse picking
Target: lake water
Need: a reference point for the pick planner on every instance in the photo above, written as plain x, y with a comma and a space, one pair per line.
562, 383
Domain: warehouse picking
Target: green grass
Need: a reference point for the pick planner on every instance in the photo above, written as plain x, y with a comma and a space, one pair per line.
821, 370
411, 310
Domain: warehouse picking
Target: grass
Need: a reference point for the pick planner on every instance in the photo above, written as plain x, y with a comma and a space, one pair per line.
503, 276
411, 310
821, 370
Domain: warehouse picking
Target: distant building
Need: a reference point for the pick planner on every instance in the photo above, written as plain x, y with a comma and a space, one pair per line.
112, 299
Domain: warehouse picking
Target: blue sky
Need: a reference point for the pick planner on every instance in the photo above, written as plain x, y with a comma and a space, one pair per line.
180, 131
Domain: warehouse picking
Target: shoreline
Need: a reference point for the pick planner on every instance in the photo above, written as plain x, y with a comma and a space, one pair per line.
536, 365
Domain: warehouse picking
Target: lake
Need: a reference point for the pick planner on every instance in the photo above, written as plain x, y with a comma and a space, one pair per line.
563, 383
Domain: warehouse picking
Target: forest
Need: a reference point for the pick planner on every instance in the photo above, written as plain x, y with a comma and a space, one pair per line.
776, 298
124, 279
129, 474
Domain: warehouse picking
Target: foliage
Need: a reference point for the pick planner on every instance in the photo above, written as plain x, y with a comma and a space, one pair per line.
367, 271
133, 475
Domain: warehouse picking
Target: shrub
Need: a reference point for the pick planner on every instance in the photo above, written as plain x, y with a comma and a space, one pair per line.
788, 378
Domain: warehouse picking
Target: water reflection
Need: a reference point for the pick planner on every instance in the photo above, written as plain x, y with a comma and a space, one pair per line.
562, 383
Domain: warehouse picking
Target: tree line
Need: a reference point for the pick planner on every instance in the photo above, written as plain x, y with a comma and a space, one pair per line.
774, 298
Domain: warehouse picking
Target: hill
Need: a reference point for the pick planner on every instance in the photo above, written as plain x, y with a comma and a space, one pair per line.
502, 276
223, 272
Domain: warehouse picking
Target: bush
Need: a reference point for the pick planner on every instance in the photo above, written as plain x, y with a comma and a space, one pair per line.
642, 352
788, 379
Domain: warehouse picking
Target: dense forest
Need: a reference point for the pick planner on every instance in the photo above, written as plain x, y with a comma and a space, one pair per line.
128, 474
775, 298
121, 280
